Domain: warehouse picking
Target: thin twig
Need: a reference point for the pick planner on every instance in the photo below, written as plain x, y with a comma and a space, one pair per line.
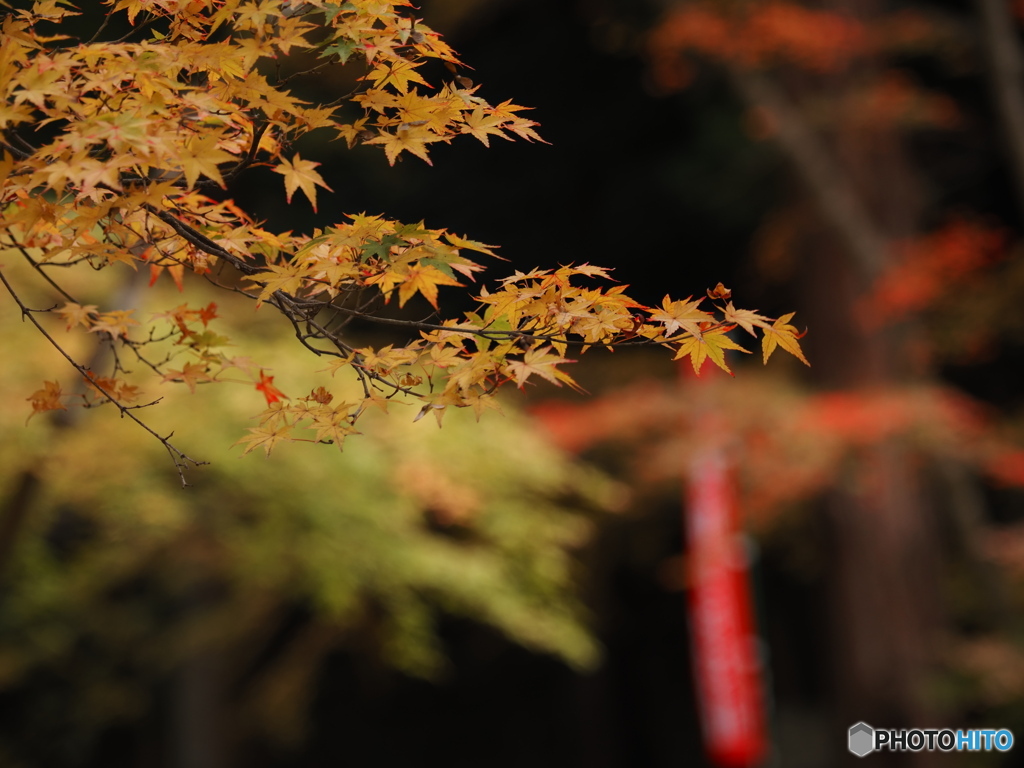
37, 268
99, 31
181, 460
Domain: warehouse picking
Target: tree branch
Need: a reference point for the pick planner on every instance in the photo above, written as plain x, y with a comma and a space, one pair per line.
181, 461
1006, 80
832, 192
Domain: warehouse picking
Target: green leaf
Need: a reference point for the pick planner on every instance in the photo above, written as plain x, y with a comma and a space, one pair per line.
343, 48
438, 264
380, 248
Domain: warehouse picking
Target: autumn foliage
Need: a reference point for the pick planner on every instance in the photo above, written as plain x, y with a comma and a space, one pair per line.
122, 152
766, 34
788, 444
929, 267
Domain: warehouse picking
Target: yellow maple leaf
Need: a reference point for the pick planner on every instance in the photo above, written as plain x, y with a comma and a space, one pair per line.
77, 314
334, 429
200, 157
482, 402
424, 280
784, 335
543, 362
397, 74
300, 174
681, 314
747, 319
708, 344
406, 138
524, 129
376, 99
590, 270
264, 437
116, 323
412, 107
287, 278
473, 245
482, 125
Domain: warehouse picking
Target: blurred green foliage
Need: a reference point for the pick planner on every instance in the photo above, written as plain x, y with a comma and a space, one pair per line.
116, 576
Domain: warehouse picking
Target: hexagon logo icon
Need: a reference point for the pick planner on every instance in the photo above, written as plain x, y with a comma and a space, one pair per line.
861, 739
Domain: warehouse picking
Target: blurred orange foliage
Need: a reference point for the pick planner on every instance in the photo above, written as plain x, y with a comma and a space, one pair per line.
928, 267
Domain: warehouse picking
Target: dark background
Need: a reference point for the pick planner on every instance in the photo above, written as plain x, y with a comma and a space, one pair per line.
670, 190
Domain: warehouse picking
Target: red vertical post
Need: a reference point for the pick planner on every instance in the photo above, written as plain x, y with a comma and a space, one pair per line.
726, 661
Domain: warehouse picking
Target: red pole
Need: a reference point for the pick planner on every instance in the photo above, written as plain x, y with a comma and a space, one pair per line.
726, 662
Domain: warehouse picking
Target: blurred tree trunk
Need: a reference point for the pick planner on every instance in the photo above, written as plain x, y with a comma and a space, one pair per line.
1001, 45
882, 585
196, 718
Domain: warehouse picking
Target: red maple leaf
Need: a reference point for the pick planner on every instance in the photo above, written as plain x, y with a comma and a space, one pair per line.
266, 386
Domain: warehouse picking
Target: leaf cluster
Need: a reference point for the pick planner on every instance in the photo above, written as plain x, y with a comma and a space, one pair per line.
123, 153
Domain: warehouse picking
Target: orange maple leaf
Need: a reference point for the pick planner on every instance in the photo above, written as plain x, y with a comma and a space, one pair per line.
46, 399
208, 313
320, 395
719, 292
191, 374
176, 271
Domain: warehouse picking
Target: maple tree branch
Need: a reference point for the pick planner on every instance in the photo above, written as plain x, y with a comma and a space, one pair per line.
182, 461
297, 313
250, 156
63, 264
36, 266
202, 242
134, 347
301, 312
99, 30
297, 317
278, 300
139, 26
283, 81
131, 344
21, 153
